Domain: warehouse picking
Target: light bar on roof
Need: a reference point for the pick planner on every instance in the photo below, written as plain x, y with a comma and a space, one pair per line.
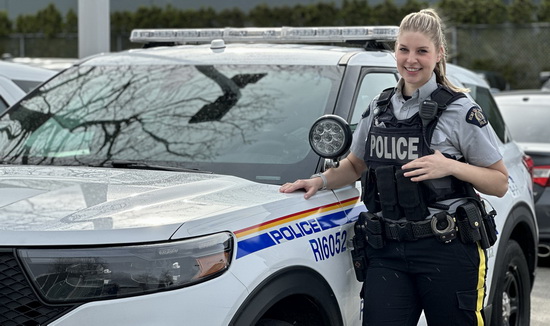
267, 34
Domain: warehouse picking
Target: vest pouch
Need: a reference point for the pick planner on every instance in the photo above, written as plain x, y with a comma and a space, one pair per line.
443, 188
385, 180
370, 192
411, 197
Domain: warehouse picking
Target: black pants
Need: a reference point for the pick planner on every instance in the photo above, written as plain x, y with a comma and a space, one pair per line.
446, 280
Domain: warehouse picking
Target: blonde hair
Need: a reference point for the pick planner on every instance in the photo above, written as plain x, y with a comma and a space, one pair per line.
428, 22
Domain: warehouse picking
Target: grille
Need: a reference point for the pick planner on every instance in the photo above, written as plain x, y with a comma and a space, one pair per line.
19, 306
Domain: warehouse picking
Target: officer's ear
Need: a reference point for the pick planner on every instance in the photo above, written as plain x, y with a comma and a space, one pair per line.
440, 53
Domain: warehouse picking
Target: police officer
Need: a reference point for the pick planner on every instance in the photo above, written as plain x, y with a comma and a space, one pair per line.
414, 267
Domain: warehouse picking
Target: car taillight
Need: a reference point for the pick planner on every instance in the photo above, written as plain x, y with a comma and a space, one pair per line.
541, 175
529, 164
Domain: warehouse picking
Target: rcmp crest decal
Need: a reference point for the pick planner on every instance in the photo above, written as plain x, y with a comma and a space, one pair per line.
476, 117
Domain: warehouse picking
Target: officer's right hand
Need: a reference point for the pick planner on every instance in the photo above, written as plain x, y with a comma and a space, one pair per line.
309, 185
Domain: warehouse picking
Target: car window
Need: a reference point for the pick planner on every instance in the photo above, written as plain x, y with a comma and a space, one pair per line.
485, 99
27, 85
372, 84
524, 121
236, 119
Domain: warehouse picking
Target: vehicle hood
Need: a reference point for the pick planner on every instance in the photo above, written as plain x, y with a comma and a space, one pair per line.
74, 205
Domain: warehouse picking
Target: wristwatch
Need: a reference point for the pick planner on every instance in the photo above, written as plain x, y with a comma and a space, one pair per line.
322, 176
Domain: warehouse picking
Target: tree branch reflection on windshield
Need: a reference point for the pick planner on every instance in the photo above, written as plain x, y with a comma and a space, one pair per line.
231, 93
198, 117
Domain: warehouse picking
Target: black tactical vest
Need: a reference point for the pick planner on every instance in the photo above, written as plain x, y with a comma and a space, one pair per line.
392, 143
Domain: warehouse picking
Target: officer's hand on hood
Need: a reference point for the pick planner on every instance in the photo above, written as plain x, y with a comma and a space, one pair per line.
309, 185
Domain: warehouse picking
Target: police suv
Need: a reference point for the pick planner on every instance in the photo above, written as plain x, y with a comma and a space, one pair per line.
141, 187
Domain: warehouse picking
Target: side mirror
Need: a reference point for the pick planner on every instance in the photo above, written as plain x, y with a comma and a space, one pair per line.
330, 137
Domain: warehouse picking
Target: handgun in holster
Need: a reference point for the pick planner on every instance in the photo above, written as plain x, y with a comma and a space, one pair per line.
368, 231
358, 254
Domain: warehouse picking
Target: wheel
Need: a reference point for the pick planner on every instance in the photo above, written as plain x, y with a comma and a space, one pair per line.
512, 303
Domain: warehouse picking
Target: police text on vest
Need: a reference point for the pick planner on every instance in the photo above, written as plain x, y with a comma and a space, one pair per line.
391, 147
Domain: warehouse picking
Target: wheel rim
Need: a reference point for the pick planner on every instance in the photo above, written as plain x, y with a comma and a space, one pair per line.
511, 297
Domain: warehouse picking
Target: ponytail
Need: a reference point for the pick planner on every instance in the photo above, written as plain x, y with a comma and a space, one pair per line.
428, 22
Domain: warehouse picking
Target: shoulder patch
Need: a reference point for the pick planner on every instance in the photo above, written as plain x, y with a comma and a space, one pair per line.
476, 117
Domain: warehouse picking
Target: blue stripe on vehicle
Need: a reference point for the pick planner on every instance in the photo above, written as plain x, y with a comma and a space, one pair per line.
265, 240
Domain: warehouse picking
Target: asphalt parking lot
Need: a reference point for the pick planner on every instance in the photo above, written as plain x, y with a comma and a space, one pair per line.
540, 297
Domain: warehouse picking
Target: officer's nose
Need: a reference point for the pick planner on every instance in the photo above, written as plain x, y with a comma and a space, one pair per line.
411, 57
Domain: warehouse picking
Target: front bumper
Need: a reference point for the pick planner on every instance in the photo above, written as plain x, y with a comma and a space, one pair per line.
209, 303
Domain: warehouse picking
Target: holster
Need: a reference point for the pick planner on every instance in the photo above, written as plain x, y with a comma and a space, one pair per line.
368, 231
358, 253
374, 229
490, 227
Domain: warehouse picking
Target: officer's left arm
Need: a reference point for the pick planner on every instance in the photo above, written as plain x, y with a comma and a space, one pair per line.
490, 180
471, 134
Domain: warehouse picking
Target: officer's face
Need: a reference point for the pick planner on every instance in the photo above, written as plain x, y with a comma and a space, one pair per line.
416, 59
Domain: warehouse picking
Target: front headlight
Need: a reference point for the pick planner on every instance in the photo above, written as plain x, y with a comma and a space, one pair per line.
63, 275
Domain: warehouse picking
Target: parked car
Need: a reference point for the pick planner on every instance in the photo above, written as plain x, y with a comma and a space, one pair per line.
141, 187
17, 79
56, 64
527, 113
495, 79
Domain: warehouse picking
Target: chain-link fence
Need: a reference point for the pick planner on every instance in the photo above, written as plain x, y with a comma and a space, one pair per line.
519, 53
63, 46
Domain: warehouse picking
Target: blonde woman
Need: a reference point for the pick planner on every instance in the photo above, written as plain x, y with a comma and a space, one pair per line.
415, 265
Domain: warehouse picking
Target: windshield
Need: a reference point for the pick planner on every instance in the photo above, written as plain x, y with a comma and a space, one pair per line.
249, 121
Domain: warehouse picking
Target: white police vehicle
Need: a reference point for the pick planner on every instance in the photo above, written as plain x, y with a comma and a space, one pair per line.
141, 187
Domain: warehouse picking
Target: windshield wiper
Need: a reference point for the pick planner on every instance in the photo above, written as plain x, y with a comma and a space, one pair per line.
127, 164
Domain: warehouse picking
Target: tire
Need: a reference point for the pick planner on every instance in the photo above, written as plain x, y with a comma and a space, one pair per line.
293, 296
512, 302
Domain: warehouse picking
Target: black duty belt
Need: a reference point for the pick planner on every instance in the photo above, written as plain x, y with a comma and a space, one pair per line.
407, 231
441, 225
376, 230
